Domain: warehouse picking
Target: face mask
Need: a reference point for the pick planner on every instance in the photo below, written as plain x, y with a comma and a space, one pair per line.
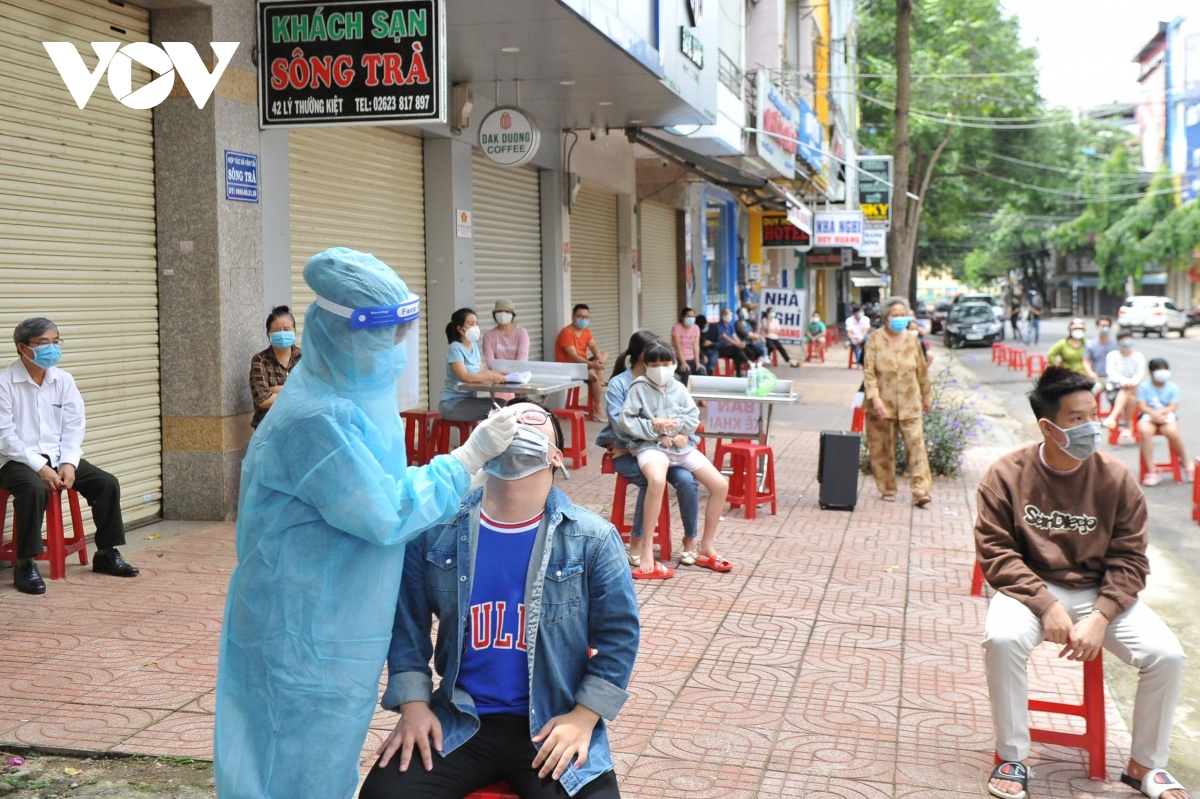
1082, 440
1125, 345
1077, 334
528, 454
898, 324
816, 319
283, 339
660, 376
771, 315
504, 318
858, 314
582, 323
726, 318
1104, 331
471, 334
1161, 375
46, 355
688, 321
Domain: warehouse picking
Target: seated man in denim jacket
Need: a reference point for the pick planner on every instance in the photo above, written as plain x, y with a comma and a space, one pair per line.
520, 698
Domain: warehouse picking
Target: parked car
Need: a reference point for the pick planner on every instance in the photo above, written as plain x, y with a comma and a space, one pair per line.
1194, 316
1146, 313
937, 317
984, 297
971, 323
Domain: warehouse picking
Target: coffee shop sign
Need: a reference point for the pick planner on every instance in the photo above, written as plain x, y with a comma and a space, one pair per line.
508, 136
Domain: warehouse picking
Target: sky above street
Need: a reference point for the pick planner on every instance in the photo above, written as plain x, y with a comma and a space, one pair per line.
1086, 47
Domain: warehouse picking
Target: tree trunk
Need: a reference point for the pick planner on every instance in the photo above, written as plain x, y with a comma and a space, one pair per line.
900, 251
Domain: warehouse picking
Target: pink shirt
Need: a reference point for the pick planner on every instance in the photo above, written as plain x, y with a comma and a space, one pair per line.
499, 347
688, 336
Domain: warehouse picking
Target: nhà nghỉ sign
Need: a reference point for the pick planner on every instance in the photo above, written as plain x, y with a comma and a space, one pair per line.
788, 305
351, 62
838, 229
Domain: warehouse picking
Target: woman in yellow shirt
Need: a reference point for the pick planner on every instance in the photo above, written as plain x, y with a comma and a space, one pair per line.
1068, 352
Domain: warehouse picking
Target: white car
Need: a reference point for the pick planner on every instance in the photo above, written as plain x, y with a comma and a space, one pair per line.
1146, 313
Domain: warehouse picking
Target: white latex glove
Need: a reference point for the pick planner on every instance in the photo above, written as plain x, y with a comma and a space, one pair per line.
490, 438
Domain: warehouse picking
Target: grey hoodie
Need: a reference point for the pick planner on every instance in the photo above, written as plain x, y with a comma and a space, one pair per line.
647, 402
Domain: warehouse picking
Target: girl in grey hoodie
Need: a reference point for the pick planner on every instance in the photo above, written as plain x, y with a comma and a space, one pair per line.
658, 417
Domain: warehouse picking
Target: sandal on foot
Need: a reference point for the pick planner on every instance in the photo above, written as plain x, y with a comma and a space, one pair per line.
921, 500
634, 560
1152, 479
889, 497
1013, 771
688, 557
1156, 782
660, 572
716, 563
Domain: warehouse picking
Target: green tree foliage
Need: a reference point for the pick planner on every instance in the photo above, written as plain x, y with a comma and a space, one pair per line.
1120, 248
1173, 240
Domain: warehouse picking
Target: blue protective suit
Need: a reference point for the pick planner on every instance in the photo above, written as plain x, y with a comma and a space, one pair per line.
327, 502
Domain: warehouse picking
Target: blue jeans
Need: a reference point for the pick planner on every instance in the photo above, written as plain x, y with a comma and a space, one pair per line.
858, 352
685, 489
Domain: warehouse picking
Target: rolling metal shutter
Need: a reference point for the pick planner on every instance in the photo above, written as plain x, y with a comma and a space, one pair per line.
660, 276
359, 187
594, 264
508, 245
77, 243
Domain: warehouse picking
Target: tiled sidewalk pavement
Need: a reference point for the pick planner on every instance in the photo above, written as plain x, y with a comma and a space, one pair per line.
840, 658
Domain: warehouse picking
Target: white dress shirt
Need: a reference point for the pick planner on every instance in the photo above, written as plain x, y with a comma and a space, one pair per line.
40, 420
857, 329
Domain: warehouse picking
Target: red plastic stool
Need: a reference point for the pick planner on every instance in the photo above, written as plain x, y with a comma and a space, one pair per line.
775, 357
743, 488
725, 367
441, 435
1091, 710
977, 580
851, 364
999, 352
1035, 365
1101, 414
418, 440
576, 450
573, 404
858, 421
58, 546
1174, 465
497, 790
1016, 359
815, 351
662, 531
832, 336
702, 446
1196, 494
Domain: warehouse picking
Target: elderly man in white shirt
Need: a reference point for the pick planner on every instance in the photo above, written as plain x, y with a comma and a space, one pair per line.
41, 450
858, 327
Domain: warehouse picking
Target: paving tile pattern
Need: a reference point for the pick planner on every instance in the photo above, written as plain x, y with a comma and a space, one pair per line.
840, 658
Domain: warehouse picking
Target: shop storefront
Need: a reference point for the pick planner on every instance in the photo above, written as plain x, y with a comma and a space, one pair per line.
358, 187
719, 273
78, 244
658, 253
595, 279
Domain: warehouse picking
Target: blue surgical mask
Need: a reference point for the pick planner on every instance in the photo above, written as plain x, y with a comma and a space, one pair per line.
1082, 439
688, 321
582, 323
46, 355
283, 339
898, 324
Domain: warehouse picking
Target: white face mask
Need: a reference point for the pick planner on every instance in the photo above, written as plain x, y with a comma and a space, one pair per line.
502, 317
726, 318
1161, 375
660, 376
1077, 334
471, 334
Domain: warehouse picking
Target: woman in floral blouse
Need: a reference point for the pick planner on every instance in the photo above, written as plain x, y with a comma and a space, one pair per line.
897, 392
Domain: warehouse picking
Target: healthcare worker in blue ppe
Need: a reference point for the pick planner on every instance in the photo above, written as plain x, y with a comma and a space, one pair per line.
327, 503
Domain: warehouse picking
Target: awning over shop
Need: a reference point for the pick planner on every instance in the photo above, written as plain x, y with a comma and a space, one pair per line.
717, 172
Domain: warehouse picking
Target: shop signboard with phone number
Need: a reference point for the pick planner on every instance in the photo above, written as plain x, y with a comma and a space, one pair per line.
351, 62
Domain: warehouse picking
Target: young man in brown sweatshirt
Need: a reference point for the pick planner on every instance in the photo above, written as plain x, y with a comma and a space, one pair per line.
1061, 536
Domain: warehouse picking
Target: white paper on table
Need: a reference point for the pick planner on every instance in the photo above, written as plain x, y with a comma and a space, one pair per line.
518, 377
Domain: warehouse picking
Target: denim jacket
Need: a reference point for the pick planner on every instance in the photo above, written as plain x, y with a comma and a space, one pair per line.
578, 594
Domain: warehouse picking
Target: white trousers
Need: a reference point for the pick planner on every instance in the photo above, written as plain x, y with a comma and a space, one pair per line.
1138, 637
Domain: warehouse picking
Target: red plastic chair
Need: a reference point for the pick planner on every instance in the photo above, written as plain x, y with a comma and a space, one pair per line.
977, 580
1035, 365
744, 486
58, 547
815, 352
1016, 359
1174, 465
662, 531
1091, 710
858, 421
573, 404
441, 435
725, 367
999, 352
497, 790
576, 448
418, 438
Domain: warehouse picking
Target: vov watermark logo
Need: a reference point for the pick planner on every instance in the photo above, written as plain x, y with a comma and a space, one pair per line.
164, 61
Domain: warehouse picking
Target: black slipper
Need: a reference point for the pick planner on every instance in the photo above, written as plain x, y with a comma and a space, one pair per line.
1013, 771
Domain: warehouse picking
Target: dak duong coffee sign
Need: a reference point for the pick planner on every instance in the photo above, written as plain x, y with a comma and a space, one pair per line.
508, 136
351, 62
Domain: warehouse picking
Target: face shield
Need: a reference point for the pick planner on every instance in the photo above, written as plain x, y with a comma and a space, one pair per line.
386, 338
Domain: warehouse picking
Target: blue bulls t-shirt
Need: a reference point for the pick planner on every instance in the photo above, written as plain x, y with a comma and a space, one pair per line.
495, 665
